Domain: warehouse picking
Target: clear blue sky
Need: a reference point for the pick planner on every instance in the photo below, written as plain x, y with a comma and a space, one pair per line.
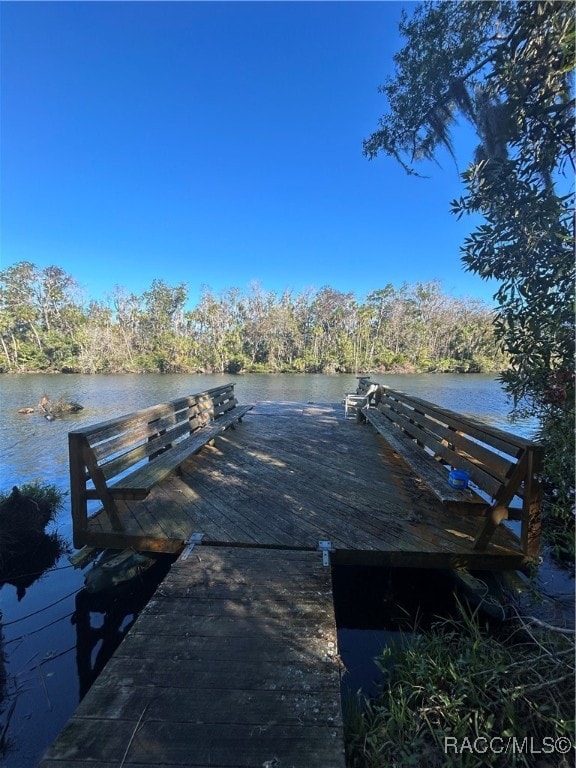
215, 143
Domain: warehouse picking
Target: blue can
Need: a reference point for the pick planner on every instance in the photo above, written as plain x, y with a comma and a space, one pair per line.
459, 479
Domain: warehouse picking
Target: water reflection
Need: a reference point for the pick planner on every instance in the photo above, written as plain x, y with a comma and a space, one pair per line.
26, 550
6, 708
22, 568
103, 619
382, 607
55, 642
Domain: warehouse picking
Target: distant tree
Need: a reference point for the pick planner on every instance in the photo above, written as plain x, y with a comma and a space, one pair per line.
215, 326
99, 343
127, 310
415, 327
40, 315
162, 328
332, 326
257, 314
507, 68
379, 305
287, 341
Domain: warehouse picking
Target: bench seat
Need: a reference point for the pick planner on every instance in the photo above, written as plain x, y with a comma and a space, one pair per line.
503, 467
431, 471
137, 484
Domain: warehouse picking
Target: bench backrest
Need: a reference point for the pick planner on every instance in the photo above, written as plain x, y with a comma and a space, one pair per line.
501, 464
120, 443
101, 452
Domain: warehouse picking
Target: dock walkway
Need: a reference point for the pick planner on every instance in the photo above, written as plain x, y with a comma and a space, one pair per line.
232, 663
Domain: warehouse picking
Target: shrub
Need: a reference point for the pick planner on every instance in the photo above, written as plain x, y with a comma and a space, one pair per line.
461, 683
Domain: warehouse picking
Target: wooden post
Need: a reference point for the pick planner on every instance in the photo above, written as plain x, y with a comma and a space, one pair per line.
77, 484
494, 517
104, 494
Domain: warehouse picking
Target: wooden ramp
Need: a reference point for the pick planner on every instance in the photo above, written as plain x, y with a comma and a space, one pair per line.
293, 474
232, 663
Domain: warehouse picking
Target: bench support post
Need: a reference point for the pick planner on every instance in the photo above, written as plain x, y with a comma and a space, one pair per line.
103, 492
77, 484
532, 506
494, 517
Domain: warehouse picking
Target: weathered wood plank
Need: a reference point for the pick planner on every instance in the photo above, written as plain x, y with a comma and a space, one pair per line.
143, 479
289, 481
205, 681
244, 706
431, 424
198, 744
465, 444
434, 474
383, 418
202, 515
175, 423
504, 441
105, 429
109, 449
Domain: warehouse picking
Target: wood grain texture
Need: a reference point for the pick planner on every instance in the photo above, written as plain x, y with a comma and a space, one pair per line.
125, 457
500, 464
232, 663
292, 474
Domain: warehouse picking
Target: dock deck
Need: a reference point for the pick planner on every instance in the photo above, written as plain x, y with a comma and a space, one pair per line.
234, 661
292, 474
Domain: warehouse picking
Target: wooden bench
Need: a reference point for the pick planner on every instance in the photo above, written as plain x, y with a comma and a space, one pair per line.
124, 458
432, 440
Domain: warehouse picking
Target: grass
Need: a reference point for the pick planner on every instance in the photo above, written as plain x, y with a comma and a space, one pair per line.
24, 514
48, 497
458, 689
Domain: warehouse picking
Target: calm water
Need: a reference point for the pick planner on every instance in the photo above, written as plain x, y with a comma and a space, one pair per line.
55, 637
35, 448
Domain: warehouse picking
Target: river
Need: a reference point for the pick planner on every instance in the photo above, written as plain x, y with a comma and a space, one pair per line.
55, 638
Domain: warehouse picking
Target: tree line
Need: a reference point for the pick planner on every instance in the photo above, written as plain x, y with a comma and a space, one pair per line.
47, 325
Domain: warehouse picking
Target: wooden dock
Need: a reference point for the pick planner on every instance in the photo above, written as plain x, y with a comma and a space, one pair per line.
293, 474
232, 663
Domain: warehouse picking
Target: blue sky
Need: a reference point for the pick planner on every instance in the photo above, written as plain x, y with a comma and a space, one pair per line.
215, 143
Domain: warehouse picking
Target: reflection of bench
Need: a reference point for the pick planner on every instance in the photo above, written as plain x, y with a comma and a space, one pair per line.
126, 457
502, 466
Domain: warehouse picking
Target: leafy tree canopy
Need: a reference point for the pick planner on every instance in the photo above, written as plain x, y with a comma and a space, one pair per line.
507, 68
